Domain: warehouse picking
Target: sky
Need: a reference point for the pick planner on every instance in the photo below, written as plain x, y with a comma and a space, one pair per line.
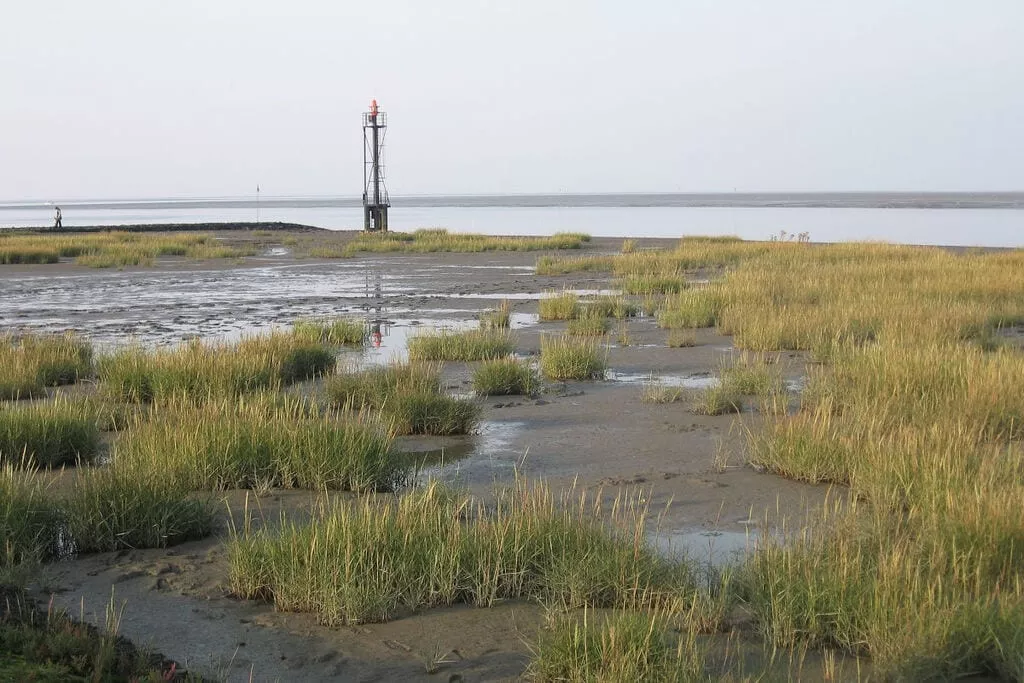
138, 98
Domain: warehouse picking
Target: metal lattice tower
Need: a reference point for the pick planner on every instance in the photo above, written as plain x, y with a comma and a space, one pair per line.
375, 194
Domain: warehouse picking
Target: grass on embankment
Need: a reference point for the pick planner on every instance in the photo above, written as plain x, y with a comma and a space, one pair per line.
32, 362
408, 396
505, 377
260, 442
435, 240
110, 249
435, 547
564, 357
469, 345
50, 434
199, 370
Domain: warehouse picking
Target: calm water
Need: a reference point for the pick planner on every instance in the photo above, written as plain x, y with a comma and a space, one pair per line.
996, 227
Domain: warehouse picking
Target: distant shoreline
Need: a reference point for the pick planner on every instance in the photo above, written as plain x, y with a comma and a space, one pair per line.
172, 227
835, 200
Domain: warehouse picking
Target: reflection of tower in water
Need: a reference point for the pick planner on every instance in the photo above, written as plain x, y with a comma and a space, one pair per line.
374, 306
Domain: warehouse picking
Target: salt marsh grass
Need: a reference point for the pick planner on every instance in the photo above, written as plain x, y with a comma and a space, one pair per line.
120, 508
369, 560
717, 400
408, 396
340, 331
199, 370
49, 434
656, 392
654, 284
259, 442
111, 249
564, 357
504, 377
681, 339
29, 523
461, 346
554, 306
30, 363
435, 240
610, 306
563, 265
498, 319
588, 324
752, 375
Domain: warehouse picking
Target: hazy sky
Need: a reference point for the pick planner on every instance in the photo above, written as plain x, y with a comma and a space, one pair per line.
137, 98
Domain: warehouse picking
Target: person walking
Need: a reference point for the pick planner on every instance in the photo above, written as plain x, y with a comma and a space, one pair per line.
57, 219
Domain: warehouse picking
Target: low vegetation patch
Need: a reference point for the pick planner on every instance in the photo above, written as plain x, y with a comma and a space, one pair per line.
565, 357
199, 370
48, 646
339, 331
29, 522
262, 442
504, 377
461, 346
717, 400
408, 396
120, 508
112, 249
436, 547
654, 284
564, 265
49, 434
656, 392
498, 319
31, 362
611, 306
588, 324
434, 240
681, 339
554, 306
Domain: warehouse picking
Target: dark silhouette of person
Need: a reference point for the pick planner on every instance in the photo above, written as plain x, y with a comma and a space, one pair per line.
57, 219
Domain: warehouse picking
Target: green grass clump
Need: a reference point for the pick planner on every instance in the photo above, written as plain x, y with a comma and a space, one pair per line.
113, 248
29, 522
620, 646
201, 370
566, 357
408, 396
753, 375
48, 646
588, 324
50, 434
699, 307
440, 240
610, 306
430, 413
261, 442
32, 362
498, 319
681, 339
374, 386
340, 331
561, 265
564, 306
122, 508
461, 346
505, 377
654, 392
717, 400
435, 547
654, 284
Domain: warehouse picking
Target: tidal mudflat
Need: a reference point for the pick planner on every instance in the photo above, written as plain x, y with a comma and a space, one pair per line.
698, 464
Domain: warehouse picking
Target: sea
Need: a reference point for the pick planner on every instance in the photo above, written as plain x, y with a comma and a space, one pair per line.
994, 219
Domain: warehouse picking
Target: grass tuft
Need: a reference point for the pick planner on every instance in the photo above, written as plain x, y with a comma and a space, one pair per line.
49, 434
461, 346
565, 357
564, 306
340, 331
505, 377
